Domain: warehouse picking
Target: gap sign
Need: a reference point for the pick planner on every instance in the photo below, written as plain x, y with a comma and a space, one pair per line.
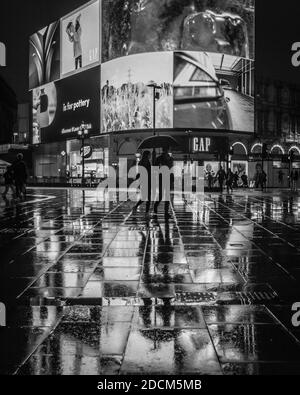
209, 145
201, 144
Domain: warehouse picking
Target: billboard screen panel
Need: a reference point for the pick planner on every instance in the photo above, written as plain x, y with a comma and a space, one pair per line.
224, 26
44, 56
126, 98
213, 91
80, 39
59, 108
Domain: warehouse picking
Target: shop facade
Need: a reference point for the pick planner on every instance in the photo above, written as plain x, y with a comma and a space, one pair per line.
61, 162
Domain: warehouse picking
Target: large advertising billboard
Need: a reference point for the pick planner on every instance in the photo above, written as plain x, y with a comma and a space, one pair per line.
60, 108
213, 91
131, 26
200, 53
127, 98
212, 45
44, 56
80, 39
197, 90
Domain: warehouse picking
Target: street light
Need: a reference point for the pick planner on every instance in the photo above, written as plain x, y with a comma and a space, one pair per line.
155, 87
82, 135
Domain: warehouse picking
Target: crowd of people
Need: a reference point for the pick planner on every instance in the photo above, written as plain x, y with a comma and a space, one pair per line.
229, 180
15, 179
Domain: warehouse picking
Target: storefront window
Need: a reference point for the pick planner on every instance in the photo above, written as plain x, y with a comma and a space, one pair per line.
96, 162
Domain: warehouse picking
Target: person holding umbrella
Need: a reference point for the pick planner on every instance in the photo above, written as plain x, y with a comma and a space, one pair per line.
164, 160
145, 189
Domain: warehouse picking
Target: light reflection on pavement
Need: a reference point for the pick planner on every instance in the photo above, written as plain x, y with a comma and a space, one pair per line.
93, 288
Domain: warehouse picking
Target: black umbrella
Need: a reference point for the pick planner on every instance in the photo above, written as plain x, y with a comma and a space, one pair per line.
158, 142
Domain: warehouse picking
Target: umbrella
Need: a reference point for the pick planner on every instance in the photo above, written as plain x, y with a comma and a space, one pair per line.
158, 142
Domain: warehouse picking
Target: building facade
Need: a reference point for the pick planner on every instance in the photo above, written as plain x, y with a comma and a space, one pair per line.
126, 70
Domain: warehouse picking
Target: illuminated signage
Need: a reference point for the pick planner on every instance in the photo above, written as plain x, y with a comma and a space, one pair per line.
201, 144
86, 151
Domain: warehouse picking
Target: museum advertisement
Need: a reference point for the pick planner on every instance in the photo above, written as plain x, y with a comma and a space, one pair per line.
60, 108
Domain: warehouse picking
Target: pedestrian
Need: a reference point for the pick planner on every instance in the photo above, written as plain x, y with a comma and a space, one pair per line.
20, 176
236, 179
8, 182
221, 177
229, 181
244, 179
145, 189
210, 179
164, 160
263, 180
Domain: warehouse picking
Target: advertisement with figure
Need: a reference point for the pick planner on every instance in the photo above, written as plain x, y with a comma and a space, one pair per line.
80, 36
60, 108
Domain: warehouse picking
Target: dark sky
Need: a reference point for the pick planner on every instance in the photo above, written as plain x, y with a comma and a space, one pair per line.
277, 27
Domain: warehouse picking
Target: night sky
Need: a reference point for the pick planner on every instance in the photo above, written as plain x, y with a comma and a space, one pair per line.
277, 27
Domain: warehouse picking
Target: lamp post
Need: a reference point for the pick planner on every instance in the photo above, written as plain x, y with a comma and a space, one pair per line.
155, 88
82, 135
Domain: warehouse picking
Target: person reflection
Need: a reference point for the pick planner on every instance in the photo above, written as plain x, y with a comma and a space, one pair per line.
156, 276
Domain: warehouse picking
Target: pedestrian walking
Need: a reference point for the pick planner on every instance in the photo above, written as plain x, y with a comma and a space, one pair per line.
229, 181
145, 189
263, 180
8, 182
210, 179
164, 160
245, 181
221, 177
236, 179
20, 176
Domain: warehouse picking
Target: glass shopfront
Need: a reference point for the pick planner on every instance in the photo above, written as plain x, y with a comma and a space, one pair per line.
96, 161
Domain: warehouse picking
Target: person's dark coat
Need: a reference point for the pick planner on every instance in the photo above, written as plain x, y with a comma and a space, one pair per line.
20, 171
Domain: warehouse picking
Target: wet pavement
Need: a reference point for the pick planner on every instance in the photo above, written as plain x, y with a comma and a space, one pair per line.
91, 287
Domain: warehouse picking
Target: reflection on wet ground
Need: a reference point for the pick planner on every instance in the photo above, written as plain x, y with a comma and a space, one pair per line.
94, 288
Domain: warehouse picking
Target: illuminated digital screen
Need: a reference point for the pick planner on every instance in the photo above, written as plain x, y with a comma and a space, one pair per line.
80, 37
